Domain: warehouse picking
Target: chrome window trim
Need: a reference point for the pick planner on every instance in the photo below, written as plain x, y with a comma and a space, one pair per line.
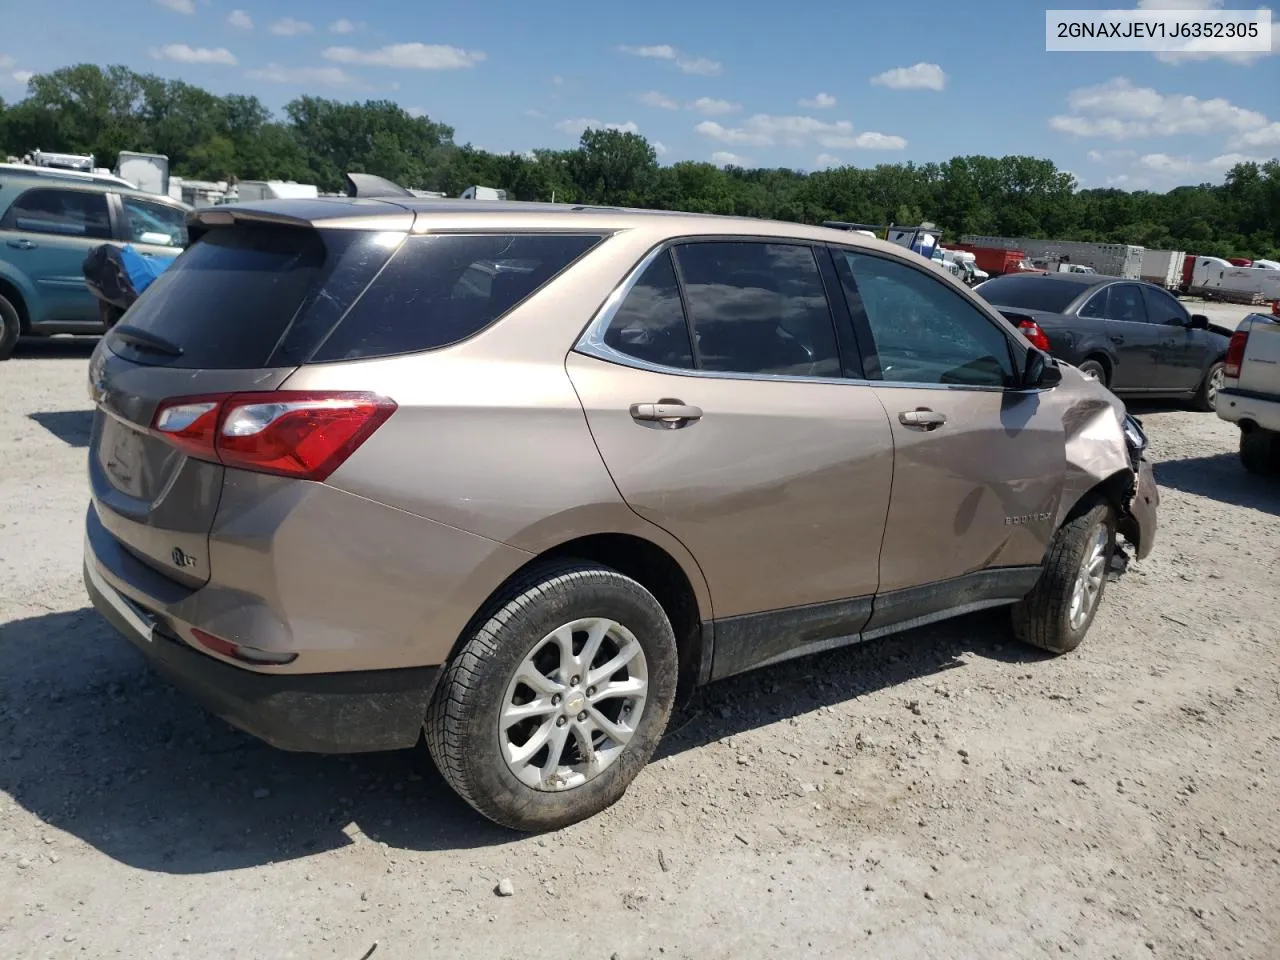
591, 343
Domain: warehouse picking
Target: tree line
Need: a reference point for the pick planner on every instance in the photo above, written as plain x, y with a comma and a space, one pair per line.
103, 110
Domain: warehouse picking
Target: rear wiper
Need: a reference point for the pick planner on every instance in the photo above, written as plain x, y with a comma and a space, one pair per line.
145, 340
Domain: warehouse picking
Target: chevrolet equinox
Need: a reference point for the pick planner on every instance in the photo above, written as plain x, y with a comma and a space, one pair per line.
510, 475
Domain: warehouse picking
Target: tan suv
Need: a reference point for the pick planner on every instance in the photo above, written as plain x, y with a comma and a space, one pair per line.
513, 474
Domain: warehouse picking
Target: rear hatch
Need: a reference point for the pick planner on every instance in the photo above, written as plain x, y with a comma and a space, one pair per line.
1260, 368
238, 312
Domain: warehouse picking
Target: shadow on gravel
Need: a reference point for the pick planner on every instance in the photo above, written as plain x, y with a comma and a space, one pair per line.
72, 427
95, 745
1220, 477
55, 348
800, 686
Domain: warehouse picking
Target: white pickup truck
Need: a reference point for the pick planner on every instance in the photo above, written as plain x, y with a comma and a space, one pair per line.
1250, 392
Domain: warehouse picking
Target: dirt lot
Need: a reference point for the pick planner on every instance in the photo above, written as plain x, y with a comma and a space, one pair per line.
941, 794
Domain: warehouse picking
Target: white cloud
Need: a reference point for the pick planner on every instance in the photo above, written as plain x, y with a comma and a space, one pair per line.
821, 102
827, 160
1119, 110
303, 76
664, 51
700, 66
723, 158
765, 130
536, 114
653, 98
921, 76
710, 107
289, 27
23, 76
178, 6
415, 112
577, 126
240, 20
7, 61
659, 148
1265, 136
181, 53
409, 56
868, 140
558, 80
1110, 156
345, 26
1163, 163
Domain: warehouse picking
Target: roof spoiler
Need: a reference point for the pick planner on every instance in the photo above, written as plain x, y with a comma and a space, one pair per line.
368, 185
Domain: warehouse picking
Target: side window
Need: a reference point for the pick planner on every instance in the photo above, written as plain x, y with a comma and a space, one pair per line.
1162, 308
758, 308
443, 288
923, 331
155, 223
67, 213
1126, 304
650, 324
1097, 306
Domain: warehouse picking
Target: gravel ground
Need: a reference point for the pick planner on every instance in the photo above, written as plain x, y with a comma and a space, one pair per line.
946, 793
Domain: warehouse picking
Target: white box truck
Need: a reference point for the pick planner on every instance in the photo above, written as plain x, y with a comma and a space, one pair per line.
1215, 279
1109, 259
146, 171
1163, 267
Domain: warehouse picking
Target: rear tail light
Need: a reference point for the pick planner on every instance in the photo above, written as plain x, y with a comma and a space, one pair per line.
237, 652
1275, 307
1235, 354
304, 435
1031, 330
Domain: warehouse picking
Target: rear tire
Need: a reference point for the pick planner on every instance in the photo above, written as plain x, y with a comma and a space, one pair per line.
1094, 370
1056, 614
1260, 451
522, 634
1207, 396
10, 328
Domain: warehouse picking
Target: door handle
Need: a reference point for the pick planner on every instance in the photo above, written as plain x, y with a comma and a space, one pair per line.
1117, 340
666, 411
22, 244
923, 418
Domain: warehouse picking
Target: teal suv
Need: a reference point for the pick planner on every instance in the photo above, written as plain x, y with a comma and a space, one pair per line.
49, 221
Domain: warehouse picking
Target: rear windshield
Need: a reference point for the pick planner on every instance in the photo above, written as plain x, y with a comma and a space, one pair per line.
248, 296
1030, 293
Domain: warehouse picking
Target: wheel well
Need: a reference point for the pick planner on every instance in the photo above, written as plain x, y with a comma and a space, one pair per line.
1114, 490
1103, 359
11, 293
650, 566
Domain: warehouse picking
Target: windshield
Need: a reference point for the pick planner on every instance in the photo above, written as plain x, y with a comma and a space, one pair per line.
1029, 292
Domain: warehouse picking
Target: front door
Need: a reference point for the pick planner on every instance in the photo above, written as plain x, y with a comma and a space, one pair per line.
734, 431
47, 233
978, 463
1181, 362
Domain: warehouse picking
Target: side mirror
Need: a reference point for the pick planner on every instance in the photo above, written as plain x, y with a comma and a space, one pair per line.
1199, 321
1041, 370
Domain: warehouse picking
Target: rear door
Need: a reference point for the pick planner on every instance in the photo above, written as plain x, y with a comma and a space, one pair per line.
978, 464
1137, 341
239, 312
735, 431
47, 232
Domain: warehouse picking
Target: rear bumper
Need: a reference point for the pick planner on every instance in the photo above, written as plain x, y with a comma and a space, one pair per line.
347, 712
1262, 409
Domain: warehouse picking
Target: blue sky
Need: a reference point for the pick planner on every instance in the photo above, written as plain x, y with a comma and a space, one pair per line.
806, 86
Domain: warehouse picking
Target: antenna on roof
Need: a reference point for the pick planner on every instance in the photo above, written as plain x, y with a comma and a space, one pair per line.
368, 185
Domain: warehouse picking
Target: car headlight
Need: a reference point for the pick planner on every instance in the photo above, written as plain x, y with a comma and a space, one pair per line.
1134, 436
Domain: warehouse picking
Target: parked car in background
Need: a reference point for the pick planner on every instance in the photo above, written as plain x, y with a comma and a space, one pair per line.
49, 221
1250, 394
514, 473
1134, 337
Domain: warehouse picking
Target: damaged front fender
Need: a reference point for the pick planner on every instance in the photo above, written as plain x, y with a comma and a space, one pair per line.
1105, 458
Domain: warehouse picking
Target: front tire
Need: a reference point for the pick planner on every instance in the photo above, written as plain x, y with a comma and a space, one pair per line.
1207, 396
1094, 370
10, 328
1056, 614
558, 698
